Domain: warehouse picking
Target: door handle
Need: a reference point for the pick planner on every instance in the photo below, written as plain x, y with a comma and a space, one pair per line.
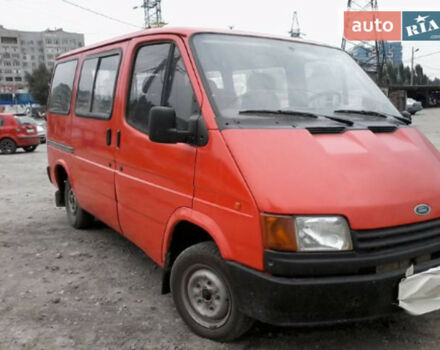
118, 138
108, 137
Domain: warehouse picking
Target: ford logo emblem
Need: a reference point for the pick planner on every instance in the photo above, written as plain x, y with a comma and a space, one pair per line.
422, 209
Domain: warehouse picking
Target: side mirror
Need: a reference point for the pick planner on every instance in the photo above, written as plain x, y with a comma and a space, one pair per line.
162, 127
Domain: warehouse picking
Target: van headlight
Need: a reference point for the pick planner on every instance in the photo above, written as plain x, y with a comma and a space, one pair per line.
306, 233
321, 233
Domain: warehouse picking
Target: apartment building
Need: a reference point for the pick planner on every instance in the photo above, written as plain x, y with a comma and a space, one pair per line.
22, 51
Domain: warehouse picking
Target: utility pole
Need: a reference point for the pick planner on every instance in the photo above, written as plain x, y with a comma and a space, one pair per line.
152, 13
295, 31
412, 64
376, 55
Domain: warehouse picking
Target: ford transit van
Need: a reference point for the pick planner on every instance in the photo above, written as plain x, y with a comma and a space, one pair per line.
269, 177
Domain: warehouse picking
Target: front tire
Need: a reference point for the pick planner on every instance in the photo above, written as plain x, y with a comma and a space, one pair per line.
78, 217
203, 294
30, 148
7, 146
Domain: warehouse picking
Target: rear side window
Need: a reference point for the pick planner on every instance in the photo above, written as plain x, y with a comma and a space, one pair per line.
97, 87
61, 90
147, 83
84, 94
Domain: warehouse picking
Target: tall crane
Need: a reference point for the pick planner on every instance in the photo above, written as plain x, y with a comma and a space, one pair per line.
375, 50
152, 13
295, 31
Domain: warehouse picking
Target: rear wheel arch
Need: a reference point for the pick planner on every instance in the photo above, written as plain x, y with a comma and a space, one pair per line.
61, 175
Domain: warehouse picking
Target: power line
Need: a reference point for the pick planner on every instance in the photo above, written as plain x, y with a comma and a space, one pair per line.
101, 14
422, 56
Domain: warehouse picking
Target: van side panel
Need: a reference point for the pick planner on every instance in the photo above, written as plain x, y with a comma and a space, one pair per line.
156, 180
60, 128
153, 180
94, 166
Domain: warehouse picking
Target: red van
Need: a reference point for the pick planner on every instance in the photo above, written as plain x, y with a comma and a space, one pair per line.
269, 177
17, 132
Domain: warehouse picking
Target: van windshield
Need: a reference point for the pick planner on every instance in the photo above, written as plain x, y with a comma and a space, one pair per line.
244, 74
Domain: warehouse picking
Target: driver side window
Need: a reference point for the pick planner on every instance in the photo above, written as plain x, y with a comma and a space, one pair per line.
159, 81
147, 83
180, 94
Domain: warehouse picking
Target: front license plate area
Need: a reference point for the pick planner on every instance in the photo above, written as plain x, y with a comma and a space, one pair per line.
420, 293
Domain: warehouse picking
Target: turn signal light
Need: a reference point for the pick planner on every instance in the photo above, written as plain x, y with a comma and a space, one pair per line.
278, 232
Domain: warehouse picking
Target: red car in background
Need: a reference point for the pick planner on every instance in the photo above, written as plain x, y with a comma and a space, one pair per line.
16, 132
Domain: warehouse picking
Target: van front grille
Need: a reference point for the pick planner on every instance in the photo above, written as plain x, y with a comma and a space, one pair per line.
381, 239
378, 251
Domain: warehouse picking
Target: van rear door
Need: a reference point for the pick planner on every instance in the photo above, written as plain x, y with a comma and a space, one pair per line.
93, 134
153, 179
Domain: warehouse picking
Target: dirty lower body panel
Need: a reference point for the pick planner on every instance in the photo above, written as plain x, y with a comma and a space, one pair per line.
317, 300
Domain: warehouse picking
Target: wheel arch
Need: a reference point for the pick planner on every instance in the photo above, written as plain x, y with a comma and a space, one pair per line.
185, 228
60, 174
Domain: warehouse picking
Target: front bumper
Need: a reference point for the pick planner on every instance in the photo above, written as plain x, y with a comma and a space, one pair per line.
301, 288
317, 300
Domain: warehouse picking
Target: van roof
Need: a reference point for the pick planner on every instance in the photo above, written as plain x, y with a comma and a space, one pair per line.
182, 31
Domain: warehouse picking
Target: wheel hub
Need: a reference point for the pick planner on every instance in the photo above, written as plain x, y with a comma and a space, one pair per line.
72, 202
207, 298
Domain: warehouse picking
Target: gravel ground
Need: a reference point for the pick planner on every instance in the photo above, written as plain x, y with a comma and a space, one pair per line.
62, 288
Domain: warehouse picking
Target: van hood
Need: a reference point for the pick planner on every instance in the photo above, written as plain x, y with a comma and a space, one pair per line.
373, 179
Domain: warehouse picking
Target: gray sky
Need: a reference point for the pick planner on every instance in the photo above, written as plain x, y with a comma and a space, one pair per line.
321, 20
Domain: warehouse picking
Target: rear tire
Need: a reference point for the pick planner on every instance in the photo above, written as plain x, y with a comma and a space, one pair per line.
7, 146
30, 148
78, 217
203, 294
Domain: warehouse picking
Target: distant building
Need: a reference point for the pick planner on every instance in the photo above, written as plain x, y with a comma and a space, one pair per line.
394, 52
22, 52
366, 55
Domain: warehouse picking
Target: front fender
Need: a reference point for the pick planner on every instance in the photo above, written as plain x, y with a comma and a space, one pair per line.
201, 220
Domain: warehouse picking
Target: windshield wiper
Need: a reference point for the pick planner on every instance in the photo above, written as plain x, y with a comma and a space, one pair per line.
373, 113
293, 112
277, 111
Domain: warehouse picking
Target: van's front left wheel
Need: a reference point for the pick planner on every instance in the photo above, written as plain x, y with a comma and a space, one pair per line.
77, 216
203, 294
